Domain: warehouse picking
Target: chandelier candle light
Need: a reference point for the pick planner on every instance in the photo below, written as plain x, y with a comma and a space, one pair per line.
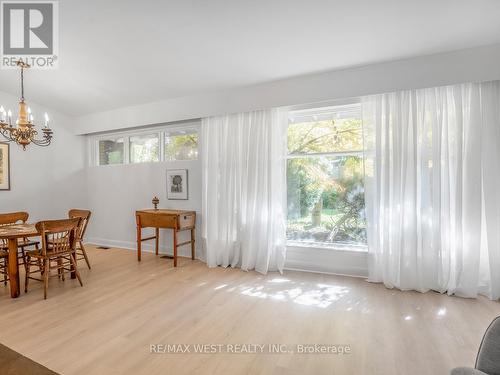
23, 132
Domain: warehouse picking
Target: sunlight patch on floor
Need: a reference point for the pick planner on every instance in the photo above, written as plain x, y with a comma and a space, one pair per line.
321, 295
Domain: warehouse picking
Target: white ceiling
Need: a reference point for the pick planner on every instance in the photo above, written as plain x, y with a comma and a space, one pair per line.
120, 53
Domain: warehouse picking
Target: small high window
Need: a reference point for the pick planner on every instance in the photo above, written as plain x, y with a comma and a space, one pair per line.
166, 143
111, 151
144, 148
181, 145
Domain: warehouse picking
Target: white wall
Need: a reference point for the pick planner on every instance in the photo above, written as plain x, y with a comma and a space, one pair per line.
45, 181
471, 65
48, 181
115, 192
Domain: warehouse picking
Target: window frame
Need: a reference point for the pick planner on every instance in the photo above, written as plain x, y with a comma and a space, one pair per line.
160, 131
293, 111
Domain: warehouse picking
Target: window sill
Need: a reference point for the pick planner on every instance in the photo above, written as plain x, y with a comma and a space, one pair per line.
143, 163
339, 259
328, 246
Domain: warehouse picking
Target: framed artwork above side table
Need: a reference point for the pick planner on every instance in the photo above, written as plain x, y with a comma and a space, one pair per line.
177, 184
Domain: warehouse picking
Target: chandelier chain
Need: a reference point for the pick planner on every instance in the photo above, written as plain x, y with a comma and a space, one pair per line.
22, 83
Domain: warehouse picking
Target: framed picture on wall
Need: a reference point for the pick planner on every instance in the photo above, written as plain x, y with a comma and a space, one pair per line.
177, 184
4, 166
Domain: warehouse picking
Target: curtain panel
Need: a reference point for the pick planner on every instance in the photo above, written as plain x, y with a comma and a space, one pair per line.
433, 188
244, 190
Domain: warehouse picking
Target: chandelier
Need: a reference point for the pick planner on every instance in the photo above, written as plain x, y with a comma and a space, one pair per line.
23, 131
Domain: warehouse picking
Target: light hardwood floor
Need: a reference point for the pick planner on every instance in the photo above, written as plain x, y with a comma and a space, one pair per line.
107, 326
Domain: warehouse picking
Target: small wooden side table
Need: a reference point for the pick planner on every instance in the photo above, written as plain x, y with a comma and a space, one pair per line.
177, 220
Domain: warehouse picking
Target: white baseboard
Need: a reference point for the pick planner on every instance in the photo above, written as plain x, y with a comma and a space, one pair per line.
183, 251
304, 259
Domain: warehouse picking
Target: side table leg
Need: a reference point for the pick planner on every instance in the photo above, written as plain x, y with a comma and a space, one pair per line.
139, 242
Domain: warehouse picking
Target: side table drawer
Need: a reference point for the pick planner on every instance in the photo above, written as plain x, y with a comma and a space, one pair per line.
186, 221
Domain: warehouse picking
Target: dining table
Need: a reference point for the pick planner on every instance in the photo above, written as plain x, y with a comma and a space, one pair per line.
12, 233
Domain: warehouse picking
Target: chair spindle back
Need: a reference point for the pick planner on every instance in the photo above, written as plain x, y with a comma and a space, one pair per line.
60, 234
84, 215
11, 218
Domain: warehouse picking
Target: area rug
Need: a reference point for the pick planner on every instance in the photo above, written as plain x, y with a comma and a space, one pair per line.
13, 363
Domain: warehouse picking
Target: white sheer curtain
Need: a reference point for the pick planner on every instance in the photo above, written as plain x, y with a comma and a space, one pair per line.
433, 189
244, 190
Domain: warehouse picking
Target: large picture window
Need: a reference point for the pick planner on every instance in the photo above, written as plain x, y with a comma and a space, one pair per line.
325, 190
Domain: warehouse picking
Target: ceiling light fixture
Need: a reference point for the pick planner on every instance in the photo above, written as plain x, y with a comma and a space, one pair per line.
23, 132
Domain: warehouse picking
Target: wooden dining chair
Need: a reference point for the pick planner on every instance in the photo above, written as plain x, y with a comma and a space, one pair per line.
80, 233
57, 252
15, 218
4, 264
